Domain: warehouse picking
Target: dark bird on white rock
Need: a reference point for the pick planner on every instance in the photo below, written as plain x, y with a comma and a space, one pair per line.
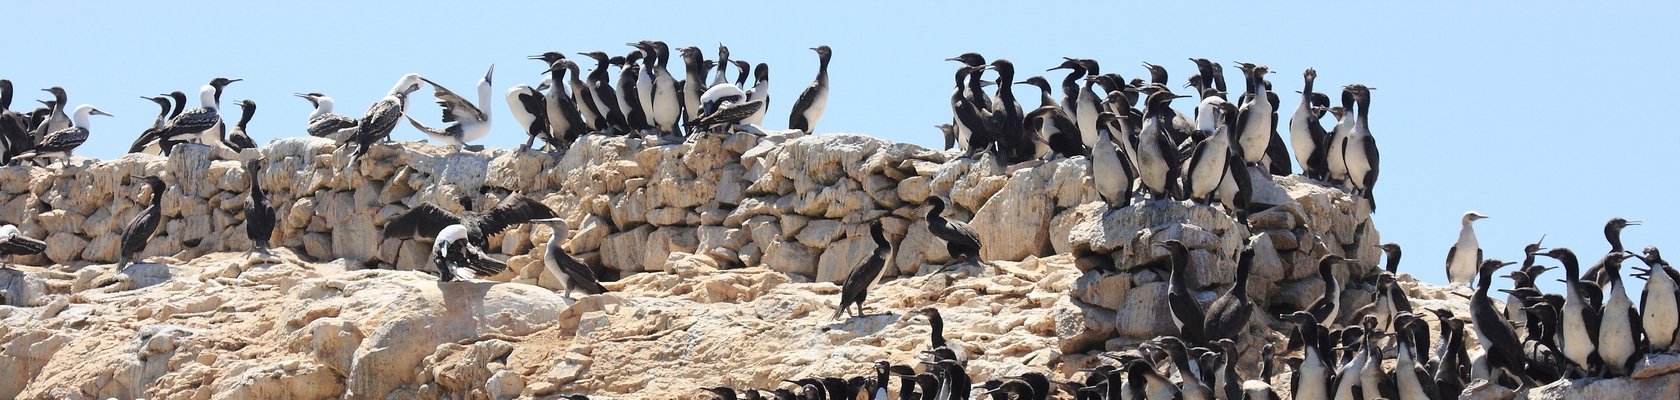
14, 243
530, 112
572, 273
961, 240
198, 123
259, 215
140, 230
856, 287
472, 229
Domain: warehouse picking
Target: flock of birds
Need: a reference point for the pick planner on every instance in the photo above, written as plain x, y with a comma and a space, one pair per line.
1200, 156
646, 101
1592, 330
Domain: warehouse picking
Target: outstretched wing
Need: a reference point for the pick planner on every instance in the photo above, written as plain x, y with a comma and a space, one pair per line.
455, 108
423, 221
516, 209
20, 245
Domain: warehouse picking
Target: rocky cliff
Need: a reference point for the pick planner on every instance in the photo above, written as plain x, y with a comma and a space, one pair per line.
722, 254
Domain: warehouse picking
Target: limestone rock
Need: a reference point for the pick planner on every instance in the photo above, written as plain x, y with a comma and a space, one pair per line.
1015, 222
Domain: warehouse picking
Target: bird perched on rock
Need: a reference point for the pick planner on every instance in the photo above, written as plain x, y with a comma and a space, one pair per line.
139, 230
572, 273
809, 108
14, 243
259, 216
961, 240
468, 122
323, 122
856, 287
460, 238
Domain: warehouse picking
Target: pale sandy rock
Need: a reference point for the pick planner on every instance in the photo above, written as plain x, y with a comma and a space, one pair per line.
662, 242
819, 233
918, 247
64, 247
791, 257
624, 250
21, 289
1142, 315
1103, 290
840, 258
1015, 222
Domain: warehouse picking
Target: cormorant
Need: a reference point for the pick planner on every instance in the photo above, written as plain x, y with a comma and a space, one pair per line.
856, 287
961, 240
809, 108
139, 230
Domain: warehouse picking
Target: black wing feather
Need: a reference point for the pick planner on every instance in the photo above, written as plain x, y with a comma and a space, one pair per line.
423, 221
516, 209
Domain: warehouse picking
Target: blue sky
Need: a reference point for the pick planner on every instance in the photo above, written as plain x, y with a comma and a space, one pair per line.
1531, 113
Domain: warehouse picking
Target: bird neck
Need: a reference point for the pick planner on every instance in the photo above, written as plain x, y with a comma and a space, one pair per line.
6, 96
210, 97
1394, 262
1240, 288
1306, 92
1614, 236
484, 98
938, 331
323, 106
245, 116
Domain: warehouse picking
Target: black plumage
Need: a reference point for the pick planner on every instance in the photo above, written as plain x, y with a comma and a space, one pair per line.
573, 273
856, 287
1228, 315
809, 108
239, 139
430, 221
259, 215
961, 240
14, 243
1186, 312
140, 229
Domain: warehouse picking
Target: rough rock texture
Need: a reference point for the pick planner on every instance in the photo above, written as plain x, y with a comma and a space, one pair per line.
722, 255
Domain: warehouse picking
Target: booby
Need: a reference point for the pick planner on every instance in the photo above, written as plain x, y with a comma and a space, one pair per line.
1466, 254
472, 230
559, 263
381, 117
1228, 315
60, 143
760, 92
1111, 169
961, 240
238, 139
1360, 151
469, 122
259, 215
14, 243
1498, 340
1659, 303
1306, 135
1207, 165
453, 254
856, 287
694, 81
726, 105
199, 123
666, 103
1187, 314
606, 100
530, 112
1255, 121
809, 108
323, 122
139, 230
1158, 159
1621, 338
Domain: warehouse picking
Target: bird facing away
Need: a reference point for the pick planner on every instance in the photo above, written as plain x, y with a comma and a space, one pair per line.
140, 229
856, 287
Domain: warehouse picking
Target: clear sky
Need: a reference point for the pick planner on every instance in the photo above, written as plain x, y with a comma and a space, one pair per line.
1530, 113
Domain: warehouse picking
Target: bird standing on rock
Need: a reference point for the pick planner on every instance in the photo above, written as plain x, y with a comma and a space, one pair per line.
856, 287
961, 240
139, 230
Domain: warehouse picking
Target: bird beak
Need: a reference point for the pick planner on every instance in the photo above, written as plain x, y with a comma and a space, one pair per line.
301, 95
1180, 96
814, 49
548, 220
1631, 223
97, 112
492, 71
1507, 263
535, 57
948, 59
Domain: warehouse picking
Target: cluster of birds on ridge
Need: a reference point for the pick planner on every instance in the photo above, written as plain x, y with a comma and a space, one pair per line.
646, 101
1203, 156
1592, 330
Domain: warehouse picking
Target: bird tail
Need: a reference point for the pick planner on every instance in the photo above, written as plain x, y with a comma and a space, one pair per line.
838, 311
422, 127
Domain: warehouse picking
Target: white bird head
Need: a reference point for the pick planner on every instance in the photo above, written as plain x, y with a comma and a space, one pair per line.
407, 84
1470, 216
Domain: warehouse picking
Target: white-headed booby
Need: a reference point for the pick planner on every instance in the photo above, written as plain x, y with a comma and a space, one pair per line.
470, 122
